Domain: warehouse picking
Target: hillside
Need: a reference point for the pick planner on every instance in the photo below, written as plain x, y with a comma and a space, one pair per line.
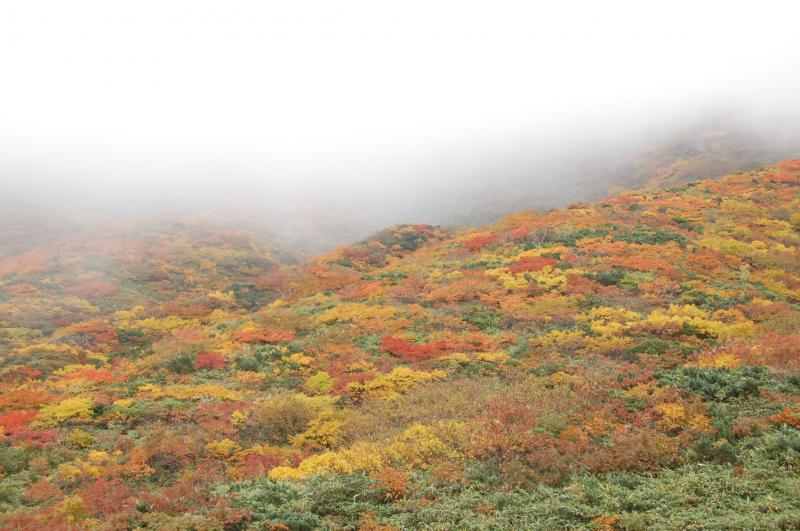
709, 148
631, 363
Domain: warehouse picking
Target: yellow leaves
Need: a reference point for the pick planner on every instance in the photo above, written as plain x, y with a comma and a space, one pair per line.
493, 357
128, 315
191, 392
774, 280
550, 278
300, 359
547, 306
223, 449
81, 469
74, 408
672, 416
99, 458
570, 339
678, 417
609, 321
165, 325
73, 509
359, 366
723, 360
397, 382
734, 247
323, 432
419, 446
362, 457
509, 280
277, 303
80, 438
47, 348
250, 377
320, 383
124, 402
357, 312
80, 304
611, 314
540, 251
222, 296
238, 419
721, 324
562, 378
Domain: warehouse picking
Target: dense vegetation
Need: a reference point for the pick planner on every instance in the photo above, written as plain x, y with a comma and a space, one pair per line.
632, 363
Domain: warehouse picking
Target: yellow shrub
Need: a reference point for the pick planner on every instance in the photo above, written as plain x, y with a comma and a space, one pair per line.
191, 392
418, 447
80, 438
319, 384
509, 280
223, 448
724, 360
397, 382
676, 417
323, 432
78, 407
73, 509
493, 357
238, 418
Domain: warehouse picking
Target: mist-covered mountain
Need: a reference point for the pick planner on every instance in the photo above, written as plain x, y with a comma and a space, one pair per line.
627, 363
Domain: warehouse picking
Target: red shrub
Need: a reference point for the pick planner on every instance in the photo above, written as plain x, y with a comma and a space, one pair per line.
409, 352
531, 263
209, 360
476, 243
106, 497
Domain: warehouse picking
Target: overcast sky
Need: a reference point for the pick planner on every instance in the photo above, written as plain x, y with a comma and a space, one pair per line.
129, 99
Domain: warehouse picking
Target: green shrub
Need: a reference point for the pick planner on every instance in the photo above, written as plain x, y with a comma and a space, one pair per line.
608, 278
719, 384
652, 236
572, 238
483, 318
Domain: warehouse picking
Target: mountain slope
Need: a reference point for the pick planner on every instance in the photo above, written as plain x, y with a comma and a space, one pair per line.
631, 363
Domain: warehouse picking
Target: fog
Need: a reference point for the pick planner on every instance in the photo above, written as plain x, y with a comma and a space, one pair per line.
322, 121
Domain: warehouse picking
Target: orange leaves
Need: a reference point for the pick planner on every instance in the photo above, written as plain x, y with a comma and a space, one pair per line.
476, 243
790, 165
16, 419
788, 417
264, 336
96, 334
95, 375
784, 178
412, 353
531, 263
392, 481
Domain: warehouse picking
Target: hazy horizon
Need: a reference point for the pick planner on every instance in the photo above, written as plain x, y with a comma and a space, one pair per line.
298, 117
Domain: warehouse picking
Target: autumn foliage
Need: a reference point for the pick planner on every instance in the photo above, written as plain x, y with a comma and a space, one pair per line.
596, 366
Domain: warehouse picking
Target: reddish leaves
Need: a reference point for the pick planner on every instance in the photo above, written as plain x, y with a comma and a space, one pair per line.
410, 352
210, 360
476, 243
16, 419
